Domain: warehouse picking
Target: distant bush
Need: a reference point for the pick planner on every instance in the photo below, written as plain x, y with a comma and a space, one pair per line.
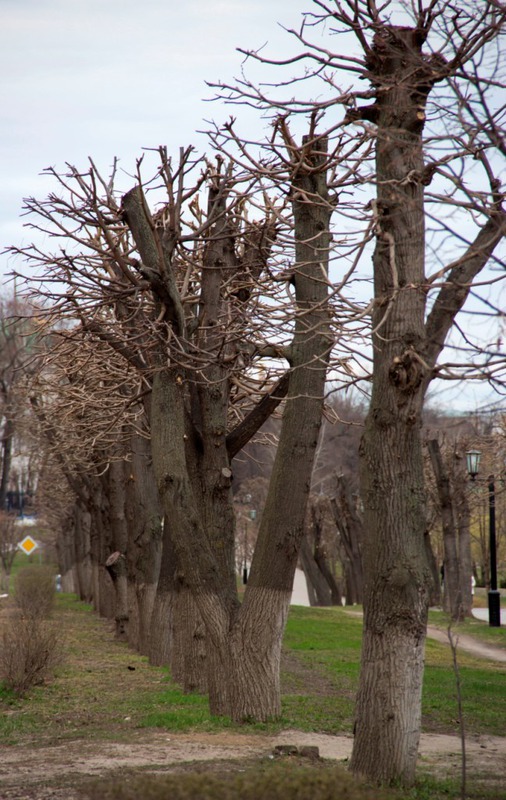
29, 652
279, 782
31, 645
35, 590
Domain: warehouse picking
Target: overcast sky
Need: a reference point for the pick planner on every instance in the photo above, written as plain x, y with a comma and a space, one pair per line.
107, 78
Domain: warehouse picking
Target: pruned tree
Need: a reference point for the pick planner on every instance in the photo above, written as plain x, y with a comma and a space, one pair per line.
195, 301
433, 118
224, 313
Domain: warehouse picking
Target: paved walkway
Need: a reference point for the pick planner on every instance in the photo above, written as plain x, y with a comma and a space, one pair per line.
482, 613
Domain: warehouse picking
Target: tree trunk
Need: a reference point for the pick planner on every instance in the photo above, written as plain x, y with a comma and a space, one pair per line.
317, 587
258, 632
6, 459
193, 469
100, 545
82, 539
452, 594
144, 549
464, 539
396, 573
116, 564
350, 530
321, 559
66, 555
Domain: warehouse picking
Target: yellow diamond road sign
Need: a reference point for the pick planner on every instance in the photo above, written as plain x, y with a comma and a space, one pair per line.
28, 545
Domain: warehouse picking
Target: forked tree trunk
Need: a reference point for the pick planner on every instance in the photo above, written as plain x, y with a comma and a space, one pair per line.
244, 641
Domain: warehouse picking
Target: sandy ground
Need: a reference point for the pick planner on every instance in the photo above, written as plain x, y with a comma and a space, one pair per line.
40, 773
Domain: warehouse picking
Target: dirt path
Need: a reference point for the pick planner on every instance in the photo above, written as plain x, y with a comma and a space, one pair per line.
40, 773
469, 645
466, 643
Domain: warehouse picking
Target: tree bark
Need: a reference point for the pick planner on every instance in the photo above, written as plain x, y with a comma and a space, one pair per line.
257, 634
452, 593
464, 540
6, 460
396, 573
317, 587
82, 540
350, 529
406, 348
116, 563
144, 549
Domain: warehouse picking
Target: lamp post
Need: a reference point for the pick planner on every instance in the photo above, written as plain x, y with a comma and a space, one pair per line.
494, 596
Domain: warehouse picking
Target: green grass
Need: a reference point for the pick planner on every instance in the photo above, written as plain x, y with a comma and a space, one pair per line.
328, 642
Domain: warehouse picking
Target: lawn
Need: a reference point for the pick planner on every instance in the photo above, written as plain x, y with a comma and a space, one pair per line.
105, 692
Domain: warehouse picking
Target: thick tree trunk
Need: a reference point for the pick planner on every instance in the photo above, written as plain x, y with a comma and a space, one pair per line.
188, 658
257, 635
388, 708
177, 637
396, 572
254, 649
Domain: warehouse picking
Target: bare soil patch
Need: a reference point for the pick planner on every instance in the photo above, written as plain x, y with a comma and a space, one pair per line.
29, 772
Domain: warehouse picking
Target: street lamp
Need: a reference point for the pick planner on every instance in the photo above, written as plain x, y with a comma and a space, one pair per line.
494, 596
473, 462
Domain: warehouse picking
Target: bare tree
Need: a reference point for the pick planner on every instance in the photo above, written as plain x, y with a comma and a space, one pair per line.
434, 121
17, 331
224, 315
9, 538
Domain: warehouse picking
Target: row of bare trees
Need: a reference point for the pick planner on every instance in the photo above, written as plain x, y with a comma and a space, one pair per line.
183, 312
